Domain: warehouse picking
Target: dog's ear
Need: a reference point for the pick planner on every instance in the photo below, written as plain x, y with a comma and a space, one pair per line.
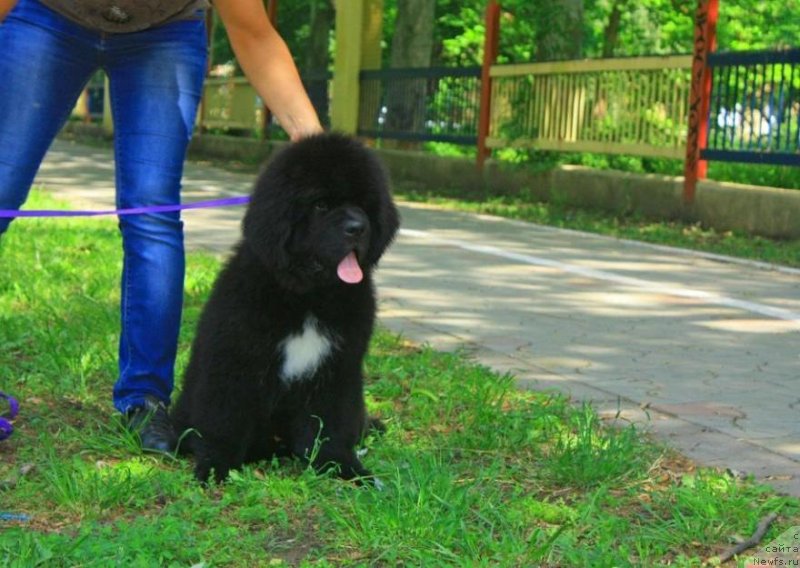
267, 225
383, 235
386, 218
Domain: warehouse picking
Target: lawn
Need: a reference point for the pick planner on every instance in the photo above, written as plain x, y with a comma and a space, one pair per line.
476, 472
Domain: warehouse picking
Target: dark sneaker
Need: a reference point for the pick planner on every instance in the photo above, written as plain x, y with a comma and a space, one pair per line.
153, 425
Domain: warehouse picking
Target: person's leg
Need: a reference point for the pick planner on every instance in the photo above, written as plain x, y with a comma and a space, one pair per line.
156, 79
45, 61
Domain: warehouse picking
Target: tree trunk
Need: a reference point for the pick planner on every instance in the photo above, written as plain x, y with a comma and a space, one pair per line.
321, 23
412, 46
316, 57
561, 35
611, 33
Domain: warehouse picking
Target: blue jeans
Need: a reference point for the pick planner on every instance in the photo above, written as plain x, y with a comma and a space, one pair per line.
156, 78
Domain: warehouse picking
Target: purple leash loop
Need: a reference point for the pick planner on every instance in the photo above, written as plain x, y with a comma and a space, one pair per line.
6, 429
12, 213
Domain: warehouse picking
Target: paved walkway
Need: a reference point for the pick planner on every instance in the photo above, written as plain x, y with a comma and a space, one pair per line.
703, 350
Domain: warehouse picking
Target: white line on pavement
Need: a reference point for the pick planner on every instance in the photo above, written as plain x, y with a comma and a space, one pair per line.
708, 297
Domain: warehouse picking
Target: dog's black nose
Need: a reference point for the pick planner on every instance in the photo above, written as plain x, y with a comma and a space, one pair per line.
354, 227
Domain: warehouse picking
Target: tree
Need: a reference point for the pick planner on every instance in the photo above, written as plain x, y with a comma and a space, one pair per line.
412, 43
561, 36
412, 46
317, 55
317, 51
747, 25
611, 32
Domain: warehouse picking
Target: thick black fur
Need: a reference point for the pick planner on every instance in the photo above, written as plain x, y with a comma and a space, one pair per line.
319, 199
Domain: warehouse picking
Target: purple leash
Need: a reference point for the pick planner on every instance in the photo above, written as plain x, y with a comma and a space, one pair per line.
6, 429
11, 213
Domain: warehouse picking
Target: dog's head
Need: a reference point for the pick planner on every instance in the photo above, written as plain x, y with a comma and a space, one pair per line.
321, 213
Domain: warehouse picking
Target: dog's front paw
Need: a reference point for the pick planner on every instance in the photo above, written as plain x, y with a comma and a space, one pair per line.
204, 469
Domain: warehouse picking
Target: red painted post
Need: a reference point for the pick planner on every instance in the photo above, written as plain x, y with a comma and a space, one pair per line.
705, 39
490, 48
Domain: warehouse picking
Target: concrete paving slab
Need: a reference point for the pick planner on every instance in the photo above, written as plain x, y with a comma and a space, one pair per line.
702, 350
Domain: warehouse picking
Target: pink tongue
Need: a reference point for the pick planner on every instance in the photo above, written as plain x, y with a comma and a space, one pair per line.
349, 270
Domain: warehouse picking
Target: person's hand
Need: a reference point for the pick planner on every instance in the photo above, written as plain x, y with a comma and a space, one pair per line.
305, 129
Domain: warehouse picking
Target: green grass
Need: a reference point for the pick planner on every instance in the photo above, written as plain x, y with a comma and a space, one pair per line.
787, 177
477, 473
634, 227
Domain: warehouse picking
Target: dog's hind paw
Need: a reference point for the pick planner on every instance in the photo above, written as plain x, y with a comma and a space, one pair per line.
375, 426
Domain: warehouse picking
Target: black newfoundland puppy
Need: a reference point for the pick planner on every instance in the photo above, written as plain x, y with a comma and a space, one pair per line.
276, 365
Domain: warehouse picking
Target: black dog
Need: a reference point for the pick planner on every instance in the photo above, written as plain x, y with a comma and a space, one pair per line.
276, 365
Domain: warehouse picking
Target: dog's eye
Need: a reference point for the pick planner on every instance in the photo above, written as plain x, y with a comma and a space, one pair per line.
320, 207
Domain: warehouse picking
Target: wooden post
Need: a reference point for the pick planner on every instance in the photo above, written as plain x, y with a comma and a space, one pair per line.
358, 34
346, 65
705, 38
372, 34
490, 49
370, 57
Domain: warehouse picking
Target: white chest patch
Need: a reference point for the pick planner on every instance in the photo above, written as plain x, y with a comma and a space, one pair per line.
304, 352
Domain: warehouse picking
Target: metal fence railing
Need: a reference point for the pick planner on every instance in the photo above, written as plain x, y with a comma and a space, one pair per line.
637, 106
634, 106
421, 104
754, 112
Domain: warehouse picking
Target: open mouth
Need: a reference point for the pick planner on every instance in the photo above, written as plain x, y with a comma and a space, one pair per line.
349, 271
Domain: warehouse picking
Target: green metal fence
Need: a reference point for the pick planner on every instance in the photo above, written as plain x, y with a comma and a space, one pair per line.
421, 104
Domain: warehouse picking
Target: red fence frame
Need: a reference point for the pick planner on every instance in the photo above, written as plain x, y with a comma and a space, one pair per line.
705, 40
491, 42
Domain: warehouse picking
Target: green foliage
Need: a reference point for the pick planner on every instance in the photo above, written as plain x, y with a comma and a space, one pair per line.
787, 177
459, 34
744, 25
647, 27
